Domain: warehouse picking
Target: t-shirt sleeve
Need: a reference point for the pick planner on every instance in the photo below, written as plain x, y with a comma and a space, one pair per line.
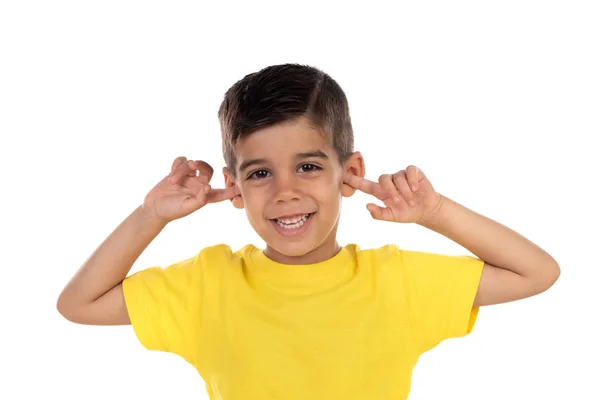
164, 307
440, 292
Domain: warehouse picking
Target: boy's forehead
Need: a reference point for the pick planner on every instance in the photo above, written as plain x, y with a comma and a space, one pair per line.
281, 141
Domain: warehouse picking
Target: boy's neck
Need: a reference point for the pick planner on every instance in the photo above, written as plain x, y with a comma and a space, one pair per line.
320, 254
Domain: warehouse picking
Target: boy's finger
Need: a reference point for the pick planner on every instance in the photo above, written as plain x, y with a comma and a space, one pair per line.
189, 168
206, 171
387, 184
380, 213
362, 184
217, 195
177, 162
401, 183
182, 169
412, 174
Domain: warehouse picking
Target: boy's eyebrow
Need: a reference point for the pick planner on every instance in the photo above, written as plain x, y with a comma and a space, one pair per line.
316, 153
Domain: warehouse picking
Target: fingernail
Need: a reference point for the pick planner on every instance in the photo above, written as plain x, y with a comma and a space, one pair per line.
411, 203
396, 199
414, 188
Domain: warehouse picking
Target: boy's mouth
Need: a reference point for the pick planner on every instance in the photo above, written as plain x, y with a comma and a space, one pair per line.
293, 225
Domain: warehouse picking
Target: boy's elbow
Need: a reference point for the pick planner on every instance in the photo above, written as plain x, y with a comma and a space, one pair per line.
549, 278
553, 275
64, 306
556, 272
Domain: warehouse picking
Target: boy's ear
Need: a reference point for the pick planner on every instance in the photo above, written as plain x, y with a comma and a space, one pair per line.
237, 201
354, 165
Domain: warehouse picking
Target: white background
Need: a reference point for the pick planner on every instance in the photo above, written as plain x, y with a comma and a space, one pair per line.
497, 102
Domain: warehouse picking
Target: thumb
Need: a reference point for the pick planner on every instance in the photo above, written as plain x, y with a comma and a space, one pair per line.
380, 213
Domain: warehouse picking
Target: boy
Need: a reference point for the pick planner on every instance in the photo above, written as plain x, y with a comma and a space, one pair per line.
306, 318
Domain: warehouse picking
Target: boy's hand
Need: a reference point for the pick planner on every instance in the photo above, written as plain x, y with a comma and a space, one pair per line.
182, 192
397, 191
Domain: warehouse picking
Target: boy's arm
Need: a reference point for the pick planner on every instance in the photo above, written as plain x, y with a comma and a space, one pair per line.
94, 296
515, 268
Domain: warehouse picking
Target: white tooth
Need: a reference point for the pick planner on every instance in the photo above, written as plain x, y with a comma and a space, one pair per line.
290, 221
293, 226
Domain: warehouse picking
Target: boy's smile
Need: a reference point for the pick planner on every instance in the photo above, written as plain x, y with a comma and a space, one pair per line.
290, 180
292, 225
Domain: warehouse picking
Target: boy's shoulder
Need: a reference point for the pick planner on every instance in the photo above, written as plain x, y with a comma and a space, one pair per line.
387, 254
222, 253
226, 250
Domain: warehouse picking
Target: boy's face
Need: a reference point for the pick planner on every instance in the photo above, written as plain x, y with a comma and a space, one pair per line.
290, 182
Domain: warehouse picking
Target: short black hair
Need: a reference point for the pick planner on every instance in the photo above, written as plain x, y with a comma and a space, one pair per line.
284, 93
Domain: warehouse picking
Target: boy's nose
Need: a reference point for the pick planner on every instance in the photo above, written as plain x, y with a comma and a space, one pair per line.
286, 189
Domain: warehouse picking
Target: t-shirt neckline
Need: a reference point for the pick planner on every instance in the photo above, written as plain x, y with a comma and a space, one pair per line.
336, 268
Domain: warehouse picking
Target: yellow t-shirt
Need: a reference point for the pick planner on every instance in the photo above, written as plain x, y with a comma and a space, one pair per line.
351, 327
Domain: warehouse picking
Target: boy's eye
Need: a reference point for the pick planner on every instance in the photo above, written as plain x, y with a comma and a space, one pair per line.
309, 167
263, 173
259, 174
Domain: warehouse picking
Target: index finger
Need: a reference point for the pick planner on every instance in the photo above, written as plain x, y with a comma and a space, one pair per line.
217, 195
362, 184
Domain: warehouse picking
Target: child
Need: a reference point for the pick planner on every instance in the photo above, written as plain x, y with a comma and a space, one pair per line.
305, 318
